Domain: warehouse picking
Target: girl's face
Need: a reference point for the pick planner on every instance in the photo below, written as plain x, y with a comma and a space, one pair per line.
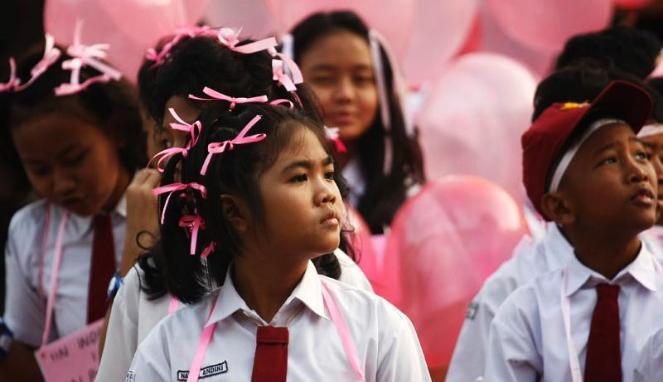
302, 203
338, 69
71, 162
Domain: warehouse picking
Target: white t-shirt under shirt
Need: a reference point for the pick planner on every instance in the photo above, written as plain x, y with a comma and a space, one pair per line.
384, 338
25, 312
527, 340
133, 317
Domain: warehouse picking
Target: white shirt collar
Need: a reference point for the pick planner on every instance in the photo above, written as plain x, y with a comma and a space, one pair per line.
643, 269
84, 223
308, 291
557, 247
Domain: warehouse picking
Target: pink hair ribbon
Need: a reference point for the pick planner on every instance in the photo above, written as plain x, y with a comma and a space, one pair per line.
241, 139
208, 250
51, 55
280, 76
164, 155
85, 55
218, 96
230, 38
193, 129
174, 187
295, 72
193, 223
13, 82
332, 134
281, 101
179, 35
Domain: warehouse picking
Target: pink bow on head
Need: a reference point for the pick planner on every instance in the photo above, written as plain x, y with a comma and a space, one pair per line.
281, 77
332, 134
164, 155
85, 55
230, 38
295, 72
193, 129
179, 35
174, 187
51, 55
13, 82
241, 139
218, 96
193, 223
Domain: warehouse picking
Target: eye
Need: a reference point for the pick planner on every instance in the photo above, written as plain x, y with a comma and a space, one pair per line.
642, 156
39, 170
165, 143
323, 80
609, 160
363, 80
299, 178
75, 160
329, 175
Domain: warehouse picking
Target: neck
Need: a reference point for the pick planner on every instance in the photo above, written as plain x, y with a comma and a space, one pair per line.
605, 253
264, 281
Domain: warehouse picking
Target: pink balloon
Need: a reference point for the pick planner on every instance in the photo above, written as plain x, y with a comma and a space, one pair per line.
446, 241
473, 118
546, 24
60, 18
438, 33
146, 21
253, 16
392, 18
366, 252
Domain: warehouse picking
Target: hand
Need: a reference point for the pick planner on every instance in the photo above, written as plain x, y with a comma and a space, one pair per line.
142, 216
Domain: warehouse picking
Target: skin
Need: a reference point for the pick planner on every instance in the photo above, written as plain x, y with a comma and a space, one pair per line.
607, 197
655, 145
302, 207
339, 70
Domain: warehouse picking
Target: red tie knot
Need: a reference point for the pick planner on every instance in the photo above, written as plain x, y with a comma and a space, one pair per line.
272, 335
607, 291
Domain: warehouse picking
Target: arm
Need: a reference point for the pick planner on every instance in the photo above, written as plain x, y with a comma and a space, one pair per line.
400, 355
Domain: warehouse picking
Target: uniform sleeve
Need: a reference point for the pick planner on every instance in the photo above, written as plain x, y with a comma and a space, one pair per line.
122, 333
469, 357
151, 361
25, 311
511, 353
351, 274
400, 354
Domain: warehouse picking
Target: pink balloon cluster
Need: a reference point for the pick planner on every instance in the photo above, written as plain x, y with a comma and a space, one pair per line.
443, 245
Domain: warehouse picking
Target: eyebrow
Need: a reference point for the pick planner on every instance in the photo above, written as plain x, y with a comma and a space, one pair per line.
307, 164
614, 143
323, 67
63, 153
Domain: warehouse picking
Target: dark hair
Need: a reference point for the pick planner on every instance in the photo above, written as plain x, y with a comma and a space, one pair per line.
234, 173
384, 192
627, 49
196, 62
656, 86
112, 105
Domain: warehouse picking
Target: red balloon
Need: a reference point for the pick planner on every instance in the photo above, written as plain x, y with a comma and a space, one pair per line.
445, 242
546, 24
473, 117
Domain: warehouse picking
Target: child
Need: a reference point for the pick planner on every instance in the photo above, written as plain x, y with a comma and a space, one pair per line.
143, 299
267, 204
585, 170
356, 83
78, 135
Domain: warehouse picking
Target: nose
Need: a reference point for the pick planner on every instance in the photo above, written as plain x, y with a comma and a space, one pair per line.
63, 182
325, 193
639, 171
344, 90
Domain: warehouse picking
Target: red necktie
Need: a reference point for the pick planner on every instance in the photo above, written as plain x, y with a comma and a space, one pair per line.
271, 360
102, 267
604, 361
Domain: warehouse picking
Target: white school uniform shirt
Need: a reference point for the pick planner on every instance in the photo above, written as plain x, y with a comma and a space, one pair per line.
527, 340
385, 340
134, 315
530, 259
650, 366
25, 312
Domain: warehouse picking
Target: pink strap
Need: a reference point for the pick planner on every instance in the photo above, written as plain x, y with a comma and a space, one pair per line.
241, 139
57, 261
343, 331
218, 96
203, 343
174, 304
42, 249
230, 38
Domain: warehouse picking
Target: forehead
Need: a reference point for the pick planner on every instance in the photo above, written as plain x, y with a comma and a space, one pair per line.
655, 141
302, 145
340, 50
613, 133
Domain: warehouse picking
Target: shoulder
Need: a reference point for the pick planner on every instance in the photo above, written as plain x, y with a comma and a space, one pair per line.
524, 304
351, 273
29, 218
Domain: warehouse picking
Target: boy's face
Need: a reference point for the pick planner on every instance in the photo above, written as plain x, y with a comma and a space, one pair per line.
654, 144
611, 182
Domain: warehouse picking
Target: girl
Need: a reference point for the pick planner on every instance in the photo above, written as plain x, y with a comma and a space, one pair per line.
78, 134
185, 69
351, 74
259, 199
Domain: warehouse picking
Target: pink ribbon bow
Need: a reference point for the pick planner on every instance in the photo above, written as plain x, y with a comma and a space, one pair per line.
241, 139
179, 35
13, 82
51, 55
295, 73
174, 187
332, 134
230, 38
164, 155
193, 129
85, 55
281, 77
193, 223
218, 96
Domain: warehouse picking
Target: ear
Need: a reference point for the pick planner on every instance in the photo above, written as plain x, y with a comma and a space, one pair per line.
236, 212
558, 208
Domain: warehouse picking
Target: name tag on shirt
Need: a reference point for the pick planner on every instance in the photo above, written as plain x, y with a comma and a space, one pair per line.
207, 371
72, 358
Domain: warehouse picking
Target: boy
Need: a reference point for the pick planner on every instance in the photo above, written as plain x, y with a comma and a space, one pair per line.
585, 170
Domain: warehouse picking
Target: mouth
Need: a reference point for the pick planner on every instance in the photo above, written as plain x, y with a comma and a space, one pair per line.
342, 119
330, 220
644, 198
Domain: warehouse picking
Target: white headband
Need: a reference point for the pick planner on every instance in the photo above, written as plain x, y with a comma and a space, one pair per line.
571, 152
651, 129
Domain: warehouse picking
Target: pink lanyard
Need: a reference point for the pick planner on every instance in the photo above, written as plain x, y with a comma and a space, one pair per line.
337, 318
55, 271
